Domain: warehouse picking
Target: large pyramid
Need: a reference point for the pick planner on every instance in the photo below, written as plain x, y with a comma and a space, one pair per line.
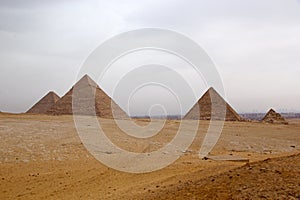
205, 108
43, 105
86, 98
273, 117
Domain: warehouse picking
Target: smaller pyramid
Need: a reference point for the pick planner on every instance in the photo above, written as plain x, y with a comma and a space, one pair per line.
273, 117
43, 105
211, 96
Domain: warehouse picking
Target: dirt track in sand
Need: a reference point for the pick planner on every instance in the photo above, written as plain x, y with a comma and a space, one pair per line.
42, 157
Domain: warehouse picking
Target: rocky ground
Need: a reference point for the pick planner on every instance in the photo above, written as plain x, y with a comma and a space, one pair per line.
277, 178
42, 157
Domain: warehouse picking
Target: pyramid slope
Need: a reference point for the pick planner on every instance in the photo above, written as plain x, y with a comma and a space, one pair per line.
273, 117
43, 105
89, 100
205, 108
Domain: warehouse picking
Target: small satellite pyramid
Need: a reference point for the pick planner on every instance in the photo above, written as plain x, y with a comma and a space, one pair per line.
273, 117
86, 98
204, 112
43, 105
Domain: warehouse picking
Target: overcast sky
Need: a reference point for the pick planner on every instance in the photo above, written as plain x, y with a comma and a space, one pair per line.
255, 45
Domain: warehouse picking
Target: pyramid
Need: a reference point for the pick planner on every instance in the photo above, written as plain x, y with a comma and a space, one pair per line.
205, 108
273, 117
86, 98
43, 105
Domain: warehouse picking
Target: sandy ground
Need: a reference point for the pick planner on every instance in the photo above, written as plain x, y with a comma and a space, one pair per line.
42, 157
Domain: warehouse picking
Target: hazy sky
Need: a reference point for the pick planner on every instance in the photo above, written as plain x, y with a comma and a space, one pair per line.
255, 45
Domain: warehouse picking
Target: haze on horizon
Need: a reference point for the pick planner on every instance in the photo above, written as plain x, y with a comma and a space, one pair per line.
255, 45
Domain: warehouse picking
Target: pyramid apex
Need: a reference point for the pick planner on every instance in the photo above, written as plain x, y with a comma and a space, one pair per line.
212, 89
52, 93
271, 111
209, 92
86, 80
86, 77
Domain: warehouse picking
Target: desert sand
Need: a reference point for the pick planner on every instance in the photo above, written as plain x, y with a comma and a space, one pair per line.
42, 157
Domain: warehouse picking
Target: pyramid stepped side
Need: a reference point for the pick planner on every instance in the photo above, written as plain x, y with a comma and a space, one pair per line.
205, 108
273, 117
106, 107
45, 104
88, 99
62, 106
